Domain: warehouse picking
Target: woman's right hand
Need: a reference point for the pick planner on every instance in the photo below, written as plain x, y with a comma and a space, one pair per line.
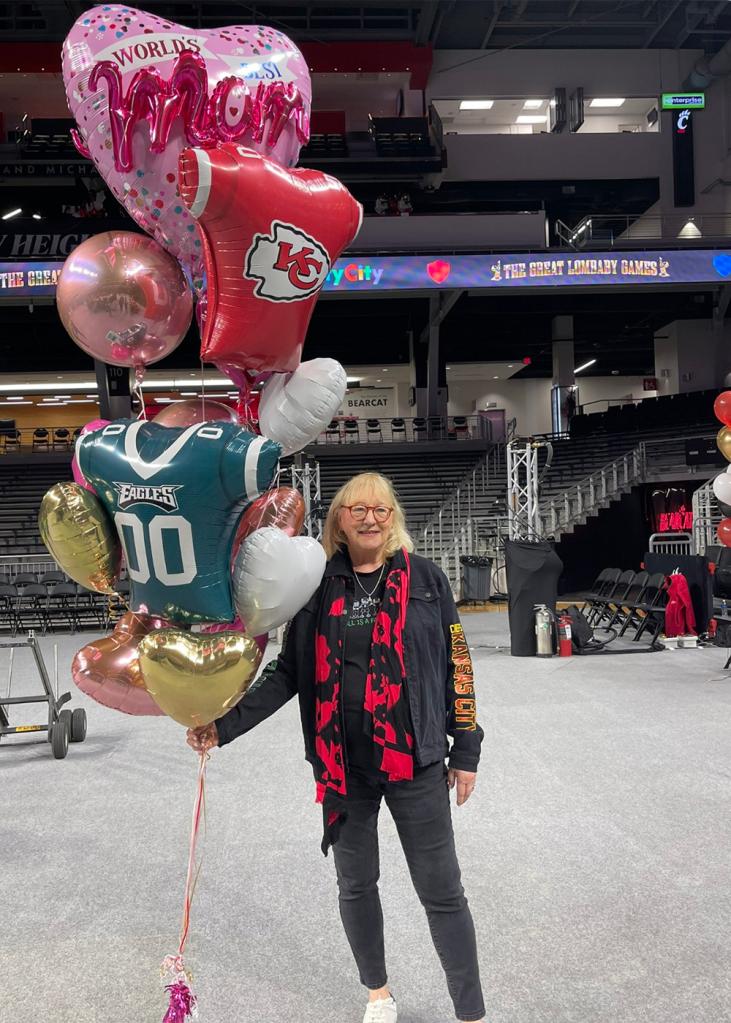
204, 738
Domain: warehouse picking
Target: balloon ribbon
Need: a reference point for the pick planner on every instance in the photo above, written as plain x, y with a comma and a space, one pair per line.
182, 1001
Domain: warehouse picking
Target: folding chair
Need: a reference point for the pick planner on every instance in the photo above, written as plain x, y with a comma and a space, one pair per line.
352, 431
24, 579
633, 596
49, 579
650, 612
332, 432
373, 430
32, 607
419, 429
61, 438
398, 429
40, 439
8, 607
601, 588
61, 606
461, 427
608, 605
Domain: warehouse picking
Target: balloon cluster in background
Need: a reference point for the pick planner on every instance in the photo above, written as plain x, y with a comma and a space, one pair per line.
722, 482
196, 133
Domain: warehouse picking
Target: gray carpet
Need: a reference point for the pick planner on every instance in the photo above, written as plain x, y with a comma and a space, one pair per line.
596, 854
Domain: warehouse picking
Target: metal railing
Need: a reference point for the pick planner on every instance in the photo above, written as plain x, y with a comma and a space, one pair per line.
577, 502
707, 515
456, 528
25, 439
409, 429
606, 230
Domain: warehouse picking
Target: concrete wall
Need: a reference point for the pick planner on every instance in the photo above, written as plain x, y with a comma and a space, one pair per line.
529, 401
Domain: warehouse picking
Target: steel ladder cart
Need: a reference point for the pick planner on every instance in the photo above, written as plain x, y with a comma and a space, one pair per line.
63, 726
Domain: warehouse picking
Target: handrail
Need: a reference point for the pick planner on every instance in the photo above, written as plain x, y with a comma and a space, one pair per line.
583, 497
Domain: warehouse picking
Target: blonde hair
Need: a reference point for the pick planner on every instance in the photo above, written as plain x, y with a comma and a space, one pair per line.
358, 488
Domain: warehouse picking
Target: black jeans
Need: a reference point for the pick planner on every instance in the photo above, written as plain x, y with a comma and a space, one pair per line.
422, 814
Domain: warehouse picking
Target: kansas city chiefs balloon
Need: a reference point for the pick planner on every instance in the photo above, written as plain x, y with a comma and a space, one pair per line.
270, 237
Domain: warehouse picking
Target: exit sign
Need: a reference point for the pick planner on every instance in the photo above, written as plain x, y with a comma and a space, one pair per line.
683, 100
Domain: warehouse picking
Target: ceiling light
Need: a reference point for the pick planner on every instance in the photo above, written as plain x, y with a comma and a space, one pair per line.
606, 103
36, 216
533, 104
189, 394
11, 214
354, 380
19, 398
496, 378
531, 119
476, 104
585, 366
11, 403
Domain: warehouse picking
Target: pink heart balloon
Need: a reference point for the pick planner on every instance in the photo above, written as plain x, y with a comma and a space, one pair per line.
158, 87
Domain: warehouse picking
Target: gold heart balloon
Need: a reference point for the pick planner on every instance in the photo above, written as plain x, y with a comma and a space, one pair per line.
724, 442
194, 677
76, 529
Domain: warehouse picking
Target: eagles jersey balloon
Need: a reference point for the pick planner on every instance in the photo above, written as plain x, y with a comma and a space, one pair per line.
175, 496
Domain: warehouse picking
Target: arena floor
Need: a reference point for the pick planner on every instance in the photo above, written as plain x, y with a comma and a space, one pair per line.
596, 854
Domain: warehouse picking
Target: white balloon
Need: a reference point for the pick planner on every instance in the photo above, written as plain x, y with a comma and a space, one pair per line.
722, 487
295, 407
274, 576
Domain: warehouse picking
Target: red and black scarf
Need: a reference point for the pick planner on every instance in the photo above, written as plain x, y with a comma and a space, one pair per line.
385, 692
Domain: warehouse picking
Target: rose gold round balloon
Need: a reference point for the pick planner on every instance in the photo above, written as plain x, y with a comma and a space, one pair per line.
283, 508
123, 299
194, 410
108, 670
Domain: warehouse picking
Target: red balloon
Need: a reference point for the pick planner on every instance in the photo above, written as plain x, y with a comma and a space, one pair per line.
722, 408
724, 532
270, 237
283, 508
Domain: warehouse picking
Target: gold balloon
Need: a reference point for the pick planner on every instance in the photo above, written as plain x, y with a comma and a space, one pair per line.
724, 442
81, 537
194, 677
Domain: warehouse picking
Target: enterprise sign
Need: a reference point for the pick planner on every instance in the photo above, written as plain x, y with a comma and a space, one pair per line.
382, 274
683, 101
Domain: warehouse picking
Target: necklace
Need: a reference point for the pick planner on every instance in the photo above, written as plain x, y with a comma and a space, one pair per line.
378, 582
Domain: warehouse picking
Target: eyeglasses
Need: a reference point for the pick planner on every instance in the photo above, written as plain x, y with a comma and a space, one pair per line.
381, 512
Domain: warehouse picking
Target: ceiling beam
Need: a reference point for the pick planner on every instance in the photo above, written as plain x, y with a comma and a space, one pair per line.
427, 17
497, 6
661, 22
572, 9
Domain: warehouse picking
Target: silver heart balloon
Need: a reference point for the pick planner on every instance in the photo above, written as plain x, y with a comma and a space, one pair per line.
274, 576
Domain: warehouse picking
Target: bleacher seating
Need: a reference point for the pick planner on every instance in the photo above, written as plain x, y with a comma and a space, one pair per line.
21, 493
423, 479
676, 411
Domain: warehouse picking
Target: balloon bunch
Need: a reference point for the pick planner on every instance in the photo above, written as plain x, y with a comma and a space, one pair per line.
722, 482
196, 133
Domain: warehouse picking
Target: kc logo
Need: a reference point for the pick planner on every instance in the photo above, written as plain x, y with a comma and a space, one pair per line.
287, 263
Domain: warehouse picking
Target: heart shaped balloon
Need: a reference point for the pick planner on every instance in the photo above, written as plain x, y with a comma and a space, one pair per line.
274, 576
190, 86
293, 410
283, 508
108, 670
195, 678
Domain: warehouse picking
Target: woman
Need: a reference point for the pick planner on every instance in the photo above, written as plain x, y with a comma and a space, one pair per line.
379, 661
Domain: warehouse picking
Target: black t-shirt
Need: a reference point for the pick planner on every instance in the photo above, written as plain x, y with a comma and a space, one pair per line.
359, 624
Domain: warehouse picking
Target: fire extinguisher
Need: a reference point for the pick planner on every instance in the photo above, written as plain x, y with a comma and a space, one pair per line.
544, 631
564, 636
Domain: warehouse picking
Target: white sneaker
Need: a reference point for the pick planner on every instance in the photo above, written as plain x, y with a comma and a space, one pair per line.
383, 1010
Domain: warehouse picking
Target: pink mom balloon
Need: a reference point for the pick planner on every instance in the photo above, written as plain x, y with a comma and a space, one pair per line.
141, 88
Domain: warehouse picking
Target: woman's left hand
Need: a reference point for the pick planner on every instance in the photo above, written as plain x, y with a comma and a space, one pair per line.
465, 782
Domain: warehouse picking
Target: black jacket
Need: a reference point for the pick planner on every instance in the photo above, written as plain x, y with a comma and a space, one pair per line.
439, 676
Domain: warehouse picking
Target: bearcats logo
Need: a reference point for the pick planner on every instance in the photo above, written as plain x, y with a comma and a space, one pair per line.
288, 264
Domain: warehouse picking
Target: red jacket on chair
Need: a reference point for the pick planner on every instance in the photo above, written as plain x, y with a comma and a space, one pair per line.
679, 614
